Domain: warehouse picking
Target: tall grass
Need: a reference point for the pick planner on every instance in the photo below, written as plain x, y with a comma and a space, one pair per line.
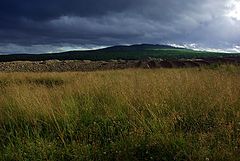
162, 114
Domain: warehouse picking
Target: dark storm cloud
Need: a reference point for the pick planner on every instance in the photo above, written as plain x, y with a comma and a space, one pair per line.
56, 23
51, 9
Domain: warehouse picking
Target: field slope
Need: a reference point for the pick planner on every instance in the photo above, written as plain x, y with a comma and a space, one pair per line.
137, 114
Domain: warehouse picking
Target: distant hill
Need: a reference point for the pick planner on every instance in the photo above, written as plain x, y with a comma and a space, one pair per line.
125, 52
138, 47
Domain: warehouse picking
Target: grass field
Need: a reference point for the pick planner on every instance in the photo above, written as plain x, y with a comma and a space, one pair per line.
134, 114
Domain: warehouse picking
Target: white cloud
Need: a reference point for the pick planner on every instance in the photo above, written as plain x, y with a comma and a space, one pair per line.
234, 9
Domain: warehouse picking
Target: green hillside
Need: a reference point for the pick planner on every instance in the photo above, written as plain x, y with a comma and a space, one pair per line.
133, 52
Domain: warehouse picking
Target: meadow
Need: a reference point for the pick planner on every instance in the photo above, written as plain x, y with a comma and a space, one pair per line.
132, 114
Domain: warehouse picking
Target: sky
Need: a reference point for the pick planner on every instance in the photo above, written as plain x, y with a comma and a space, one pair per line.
34, 26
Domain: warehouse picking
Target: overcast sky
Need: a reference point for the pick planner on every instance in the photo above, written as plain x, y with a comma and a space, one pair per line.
36, 26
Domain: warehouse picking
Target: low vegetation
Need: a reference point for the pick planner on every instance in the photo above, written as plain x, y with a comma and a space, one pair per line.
133, 114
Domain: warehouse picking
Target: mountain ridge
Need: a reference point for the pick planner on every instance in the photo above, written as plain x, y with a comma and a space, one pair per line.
124, 52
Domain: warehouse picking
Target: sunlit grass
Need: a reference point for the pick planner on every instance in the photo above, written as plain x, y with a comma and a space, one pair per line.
134, 114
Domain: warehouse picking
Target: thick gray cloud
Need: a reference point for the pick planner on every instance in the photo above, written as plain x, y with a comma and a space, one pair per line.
60, 24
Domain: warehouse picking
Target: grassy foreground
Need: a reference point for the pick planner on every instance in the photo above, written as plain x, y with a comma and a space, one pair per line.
162, 114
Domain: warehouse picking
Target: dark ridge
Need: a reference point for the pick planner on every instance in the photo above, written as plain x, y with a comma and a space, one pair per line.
138, 47
114, 52
124, 52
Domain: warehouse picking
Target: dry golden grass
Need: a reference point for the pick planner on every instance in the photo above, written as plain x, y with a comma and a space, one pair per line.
134, 114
